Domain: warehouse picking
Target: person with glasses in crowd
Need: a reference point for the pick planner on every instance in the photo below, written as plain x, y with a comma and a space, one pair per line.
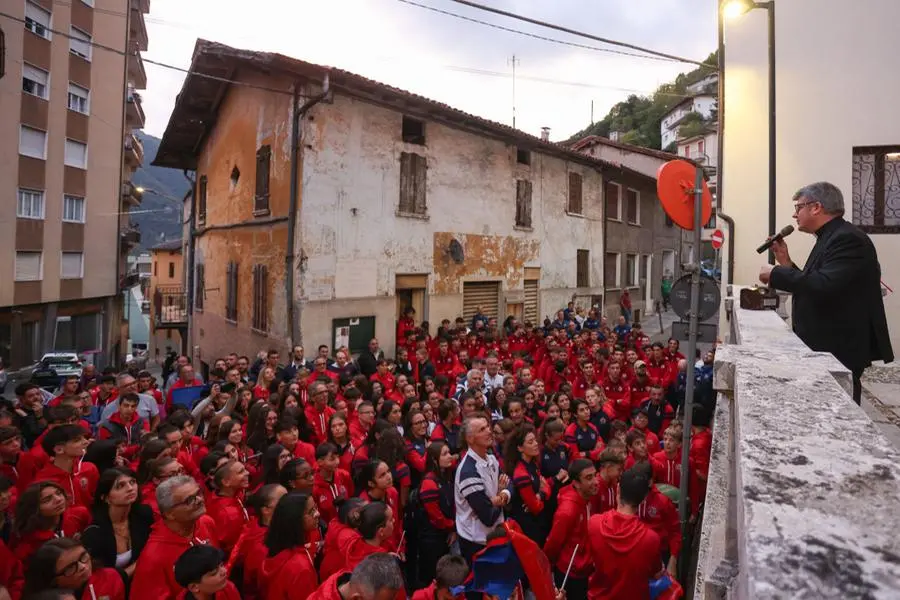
64, 563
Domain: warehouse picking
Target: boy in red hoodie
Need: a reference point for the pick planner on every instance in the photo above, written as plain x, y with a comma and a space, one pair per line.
701, 446
226, 505
126, 425
330, 483
568, 535
66, 445
624, 550
450, 574
667, 462
201, 571
660, 514
610, 462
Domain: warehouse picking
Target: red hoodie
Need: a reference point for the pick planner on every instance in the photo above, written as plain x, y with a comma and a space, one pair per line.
319, 422
430, 593
21, 472
338, 538
104, 584
289, 575
570, 528
326, 492
625, 553
229, 592
666, 470
607, 498
154, 575
329, 588
78, 485
701, 446
230, 517
12, 575
251, 551
74, 520
660, 514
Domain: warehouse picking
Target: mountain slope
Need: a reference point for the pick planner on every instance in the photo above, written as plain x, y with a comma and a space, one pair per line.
158, 217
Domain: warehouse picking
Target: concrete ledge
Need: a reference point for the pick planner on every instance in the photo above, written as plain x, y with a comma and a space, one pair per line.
803, 498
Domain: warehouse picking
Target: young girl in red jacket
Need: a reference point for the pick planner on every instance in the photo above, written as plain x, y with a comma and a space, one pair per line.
437, 530
376, 484
530, 504
288, 572
250, 550
65, 564
44, 513
342, 532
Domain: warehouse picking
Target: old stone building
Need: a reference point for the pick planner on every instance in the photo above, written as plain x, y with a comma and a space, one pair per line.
395, 201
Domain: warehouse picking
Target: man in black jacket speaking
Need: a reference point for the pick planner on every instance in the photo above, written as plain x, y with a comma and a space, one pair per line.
837, 302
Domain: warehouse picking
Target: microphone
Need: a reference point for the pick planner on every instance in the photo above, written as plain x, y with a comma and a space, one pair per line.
775, 238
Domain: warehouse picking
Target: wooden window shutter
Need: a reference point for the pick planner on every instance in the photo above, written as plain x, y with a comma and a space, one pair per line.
407, 183
575, 193
201, 286
260, 298
523, 203
201, 199
263, 163
421, 168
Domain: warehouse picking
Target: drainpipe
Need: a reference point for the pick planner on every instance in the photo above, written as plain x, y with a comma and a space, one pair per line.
292, 313
189, 266
720, 152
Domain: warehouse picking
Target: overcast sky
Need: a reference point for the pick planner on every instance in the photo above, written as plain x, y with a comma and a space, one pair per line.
464, 64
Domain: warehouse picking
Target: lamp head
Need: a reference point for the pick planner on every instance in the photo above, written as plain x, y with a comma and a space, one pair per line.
732, 9
139, 189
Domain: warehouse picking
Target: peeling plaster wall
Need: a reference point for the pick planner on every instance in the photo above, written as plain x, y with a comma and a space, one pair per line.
354, 243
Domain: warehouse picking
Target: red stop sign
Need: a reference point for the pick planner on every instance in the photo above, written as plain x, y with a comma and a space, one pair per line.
717, 238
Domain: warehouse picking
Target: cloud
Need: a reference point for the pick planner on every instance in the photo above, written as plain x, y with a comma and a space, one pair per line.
461, 63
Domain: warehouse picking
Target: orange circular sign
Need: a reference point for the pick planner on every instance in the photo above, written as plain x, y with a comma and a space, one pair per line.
675, 182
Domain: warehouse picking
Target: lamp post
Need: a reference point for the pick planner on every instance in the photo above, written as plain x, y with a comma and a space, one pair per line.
732, 9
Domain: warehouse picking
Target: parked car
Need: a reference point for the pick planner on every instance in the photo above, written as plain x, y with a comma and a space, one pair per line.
54, 366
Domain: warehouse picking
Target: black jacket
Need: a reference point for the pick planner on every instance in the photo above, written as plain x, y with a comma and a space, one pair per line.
100, 540
837, 303
368, 362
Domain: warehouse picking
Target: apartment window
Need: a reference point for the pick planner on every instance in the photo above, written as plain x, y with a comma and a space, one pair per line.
76, 154
71, 265
79, 99
37, 20
30, 204
583, 268
413, 131
29, 266
631, 270
201, 200
575, 189
611, 270
613, 201
523, 203
35, 81
700, 148
523, 157
260, 298
263, 163
876, 195
633, 206
412, 184
231, 283
171, 270
32, 142
154, 269
80, 43
201, 287
73, 209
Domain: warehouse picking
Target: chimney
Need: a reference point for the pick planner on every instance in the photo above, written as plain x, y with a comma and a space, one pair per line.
545, 134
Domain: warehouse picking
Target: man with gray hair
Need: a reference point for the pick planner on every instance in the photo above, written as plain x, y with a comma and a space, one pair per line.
837, 301
377, 577
183, 525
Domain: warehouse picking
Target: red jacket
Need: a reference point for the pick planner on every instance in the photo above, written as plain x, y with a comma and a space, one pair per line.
105, 584
325, 492
606, 498
430, 497
570, 529
154, 575
620, 397
666, 470
22, 472
229, 592
305, 451
12, 576
337, 540
392, 499
701, 446
129, 433
251, 552
319, 422
74, 520
78, 485
430, 593
289, 575
230, 517
329, 588
358, 435
358, 549
625, 553
660, 514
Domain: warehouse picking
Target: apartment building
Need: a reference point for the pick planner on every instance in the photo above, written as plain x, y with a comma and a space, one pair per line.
65, 101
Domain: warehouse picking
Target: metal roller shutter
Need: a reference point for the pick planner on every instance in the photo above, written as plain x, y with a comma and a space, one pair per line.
485, 294
531, 301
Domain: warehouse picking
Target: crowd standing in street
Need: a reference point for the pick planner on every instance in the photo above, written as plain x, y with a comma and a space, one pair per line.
332, 478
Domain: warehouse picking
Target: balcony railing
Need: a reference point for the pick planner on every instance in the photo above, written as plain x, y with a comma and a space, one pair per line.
136, 73
134, 112
169, 306
138, 31
131, 236
134, 150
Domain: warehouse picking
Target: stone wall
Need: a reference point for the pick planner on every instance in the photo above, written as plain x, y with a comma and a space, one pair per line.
803, 492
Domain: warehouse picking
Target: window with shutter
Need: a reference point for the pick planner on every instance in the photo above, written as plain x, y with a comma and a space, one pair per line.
611, 270
35, 81
37, 20
201, 200
633, 206
523, 203
583, 268
79, 99
631, 266
263, 162
73, 209
76, 154
413, 168
80, 43
613, 201
32, 142
201, 287
29, 266
71, 265
231, 292
30, 204
260, 298
575, 204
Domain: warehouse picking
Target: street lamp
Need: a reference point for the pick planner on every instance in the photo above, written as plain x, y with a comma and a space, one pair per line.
732, 9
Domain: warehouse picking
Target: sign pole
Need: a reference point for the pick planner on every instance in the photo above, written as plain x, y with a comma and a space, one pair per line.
683, 504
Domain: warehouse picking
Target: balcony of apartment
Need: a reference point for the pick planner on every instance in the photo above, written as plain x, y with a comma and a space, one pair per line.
131, 237
137, 76
137, 31
169, 307
141, 5
134, 112
134, 151
802, 491
131, 195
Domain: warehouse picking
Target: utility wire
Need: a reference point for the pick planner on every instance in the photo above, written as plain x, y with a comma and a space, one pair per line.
649, 51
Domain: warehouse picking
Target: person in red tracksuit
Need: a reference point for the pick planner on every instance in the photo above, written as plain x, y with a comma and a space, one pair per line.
43, 513
661, 515
438, 528
202, 573
625, 551
667, 462
318, 413
250, 549
66, 445
361, 423
659, 368
610, 469
581, 437
640, 420
617, 392
15, 464
65, 564
226, 505
701, 446
288, 572
530, 505
12, 574
377, 485
126, 425
182, 507
376, 576
331, 484
568, 536
342, 533
287, 434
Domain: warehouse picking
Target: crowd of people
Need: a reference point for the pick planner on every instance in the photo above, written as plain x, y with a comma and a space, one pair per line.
356, 479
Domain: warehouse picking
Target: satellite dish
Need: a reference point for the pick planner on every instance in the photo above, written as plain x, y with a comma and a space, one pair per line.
455, 250
675, 182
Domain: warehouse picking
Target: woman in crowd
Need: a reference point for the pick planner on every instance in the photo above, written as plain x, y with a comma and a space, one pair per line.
273, 460
43, 513
121, 525
250, 551
391, 449
582, 437
416, 428
376, 530
106, 454
152, 450
339, 435
377, 485
529, 504
65, 564
288, 571
261, 389
393, 414
342, 532
437, 530
297, 475
263, 433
